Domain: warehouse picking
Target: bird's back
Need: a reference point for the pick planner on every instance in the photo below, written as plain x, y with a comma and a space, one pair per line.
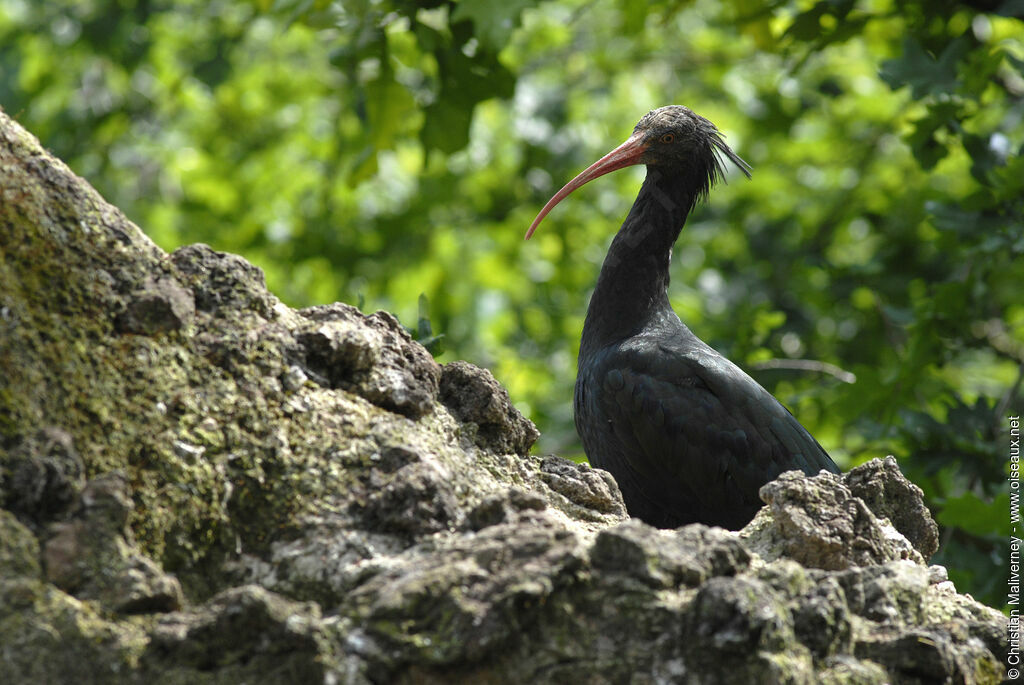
687, 434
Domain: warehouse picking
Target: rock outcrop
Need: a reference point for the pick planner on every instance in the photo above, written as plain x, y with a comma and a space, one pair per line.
199, 484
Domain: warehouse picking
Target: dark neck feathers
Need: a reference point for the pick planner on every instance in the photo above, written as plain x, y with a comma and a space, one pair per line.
632, 288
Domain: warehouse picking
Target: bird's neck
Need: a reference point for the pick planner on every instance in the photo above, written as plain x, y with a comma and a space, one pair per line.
632, 289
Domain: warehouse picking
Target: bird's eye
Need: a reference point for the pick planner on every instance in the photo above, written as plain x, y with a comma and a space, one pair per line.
667, 138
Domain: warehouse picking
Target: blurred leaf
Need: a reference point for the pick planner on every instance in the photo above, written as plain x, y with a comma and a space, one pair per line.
389, 106
964, 438
424, 331
633, 14
923, 72
493, 20
924, 140
1008, 180
446, 127
983, 158
464, 83
826, 22
976, 515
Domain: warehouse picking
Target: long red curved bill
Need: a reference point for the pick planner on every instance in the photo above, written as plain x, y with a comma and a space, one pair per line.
627, 154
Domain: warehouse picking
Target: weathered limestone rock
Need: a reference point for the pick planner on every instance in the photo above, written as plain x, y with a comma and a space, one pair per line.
473, 396
93, 555
201, 485
372, 356
895, 498
661, 559
818, 522
159, 306
43, 476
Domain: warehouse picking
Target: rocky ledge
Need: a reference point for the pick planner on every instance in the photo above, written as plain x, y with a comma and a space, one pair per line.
201, 485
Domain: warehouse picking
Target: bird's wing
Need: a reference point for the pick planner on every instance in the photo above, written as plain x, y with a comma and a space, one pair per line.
694, 427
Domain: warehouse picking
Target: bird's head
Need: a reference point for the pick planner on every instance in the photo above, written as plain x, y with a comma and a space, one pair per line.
672, 139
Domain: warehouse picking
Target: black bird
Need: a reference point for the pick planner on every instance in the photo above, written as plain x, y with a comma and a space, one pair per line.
687, 434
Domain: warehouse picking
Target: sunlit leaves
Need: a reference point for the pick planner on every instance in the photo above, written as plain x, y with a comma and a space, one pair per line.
449, 68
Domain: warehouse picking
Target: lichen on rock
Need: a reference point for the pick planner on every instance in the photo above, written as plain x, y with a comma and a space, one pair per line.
199, 484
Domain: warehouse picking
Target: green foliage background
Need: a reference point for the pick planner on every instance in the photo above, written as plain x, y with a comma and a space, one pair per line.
371, 151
